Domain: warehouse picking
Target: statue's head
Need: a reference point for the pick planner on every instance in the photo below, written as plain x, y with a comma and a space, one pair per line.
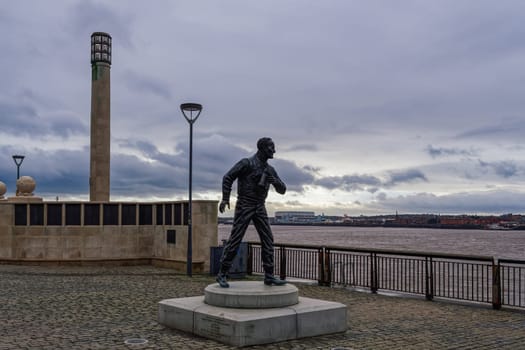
266, 146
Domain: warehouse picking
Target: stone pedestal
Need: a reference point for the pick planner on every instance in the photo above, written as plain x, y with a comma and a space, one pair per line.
250, 313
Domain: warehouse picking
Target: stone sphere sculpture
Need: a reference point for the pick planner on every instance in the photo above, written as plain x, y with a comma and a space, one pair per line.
3, 189
25, 186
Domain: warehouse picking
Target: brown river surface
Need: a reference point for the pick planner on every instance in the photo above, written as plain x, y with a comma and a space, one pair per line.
500, 244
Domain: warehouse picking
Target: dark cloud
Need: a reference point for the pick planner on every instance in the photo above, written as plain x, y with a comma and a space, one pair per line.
56, 172
369, 183
23, 119
310, 147
132, 176
489, 202
503, 129
165, 170
312, 169
66, 125
295, 177
89, 16
348, 182
500, 42
381, 196
504, 169
213, 157
19, 119
404, 176
66, 172
478, 171
436, 152
145, 147
144, 84
295, 204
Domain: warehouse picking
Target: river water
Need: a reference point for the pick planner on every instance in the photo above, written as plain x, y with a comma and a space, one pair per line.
500, 244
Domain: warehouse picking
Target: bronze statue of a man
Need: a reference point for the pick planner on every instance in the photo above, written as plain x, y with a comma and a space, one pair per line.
254, 176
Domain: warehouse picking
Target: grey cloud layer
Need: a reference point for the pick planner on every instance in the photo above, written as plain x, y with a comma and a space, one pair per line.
23, 119
486, 202
434, 86
370, 183
436, 152
154, 172
505, 169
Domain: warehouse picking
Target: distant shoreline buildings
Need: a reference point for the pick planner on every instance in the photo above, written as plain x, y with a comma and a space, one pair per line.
488, 222
297, 217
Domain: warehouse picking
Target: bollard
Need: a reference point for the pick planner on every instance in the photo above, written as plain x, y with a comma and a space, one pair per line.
429, 279
496, 285
282, 274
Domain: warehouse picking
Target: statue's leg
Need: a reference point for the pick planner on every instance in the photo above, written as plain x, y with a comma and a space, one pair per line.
242, 218
262, 225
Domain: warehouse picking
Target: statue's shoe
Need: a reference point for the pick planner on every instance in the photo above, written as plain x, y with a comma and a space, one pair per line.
221, 279
272, 280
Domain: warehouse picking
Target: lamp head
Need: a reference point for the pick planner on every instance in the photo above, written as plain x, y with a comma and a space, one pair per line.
188, 109
18, 159
100, 48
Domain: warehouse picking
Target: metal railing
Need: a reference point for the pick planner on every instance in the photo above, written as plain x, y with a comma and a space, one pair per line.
512, 282
479, 279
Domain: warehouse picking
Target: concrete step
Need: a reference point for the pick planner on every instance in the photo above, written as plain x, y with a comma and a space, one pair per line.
302, 317
251, 295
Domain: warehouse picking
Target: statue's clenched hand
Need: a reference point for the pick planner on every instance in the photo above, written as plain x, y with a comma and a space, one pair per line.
223, 205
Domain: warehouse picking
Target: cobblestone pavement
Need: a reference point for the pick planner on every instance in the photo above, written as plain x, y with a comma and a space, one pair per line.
101, 307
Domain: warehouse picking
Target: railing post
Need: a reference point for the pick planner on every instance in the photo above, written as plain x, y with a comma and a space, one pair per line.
249, 263
328, 268
373, 273
496, 285
282, 274
429, 279
320, 265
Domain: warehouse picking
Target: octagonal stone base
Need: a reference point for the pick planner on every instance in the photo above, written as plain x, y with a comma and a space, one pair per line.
250, 326
251, 295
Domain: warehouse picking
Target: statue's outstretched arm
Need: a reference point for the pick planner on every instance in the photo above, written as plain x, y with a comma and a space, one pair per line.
227, 182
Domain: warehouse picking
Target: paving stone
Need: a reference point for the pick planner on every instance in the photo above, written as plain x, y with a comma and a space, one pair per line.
101, 307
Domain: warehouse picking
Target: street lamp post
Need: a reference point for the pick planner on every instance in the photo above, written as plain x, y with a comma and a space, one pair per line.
18, 161
191, 112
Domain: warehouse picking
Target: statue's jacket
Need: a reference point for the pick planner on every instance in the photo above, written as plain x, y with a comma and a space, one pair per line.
250, 189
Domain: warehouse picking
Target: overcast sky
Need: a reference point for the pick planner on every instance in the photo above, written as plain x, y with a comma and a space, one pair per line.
374, 106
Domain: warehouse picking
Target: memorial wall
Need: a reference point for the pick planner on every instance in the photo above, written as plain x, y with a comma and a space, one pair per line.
107, 233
